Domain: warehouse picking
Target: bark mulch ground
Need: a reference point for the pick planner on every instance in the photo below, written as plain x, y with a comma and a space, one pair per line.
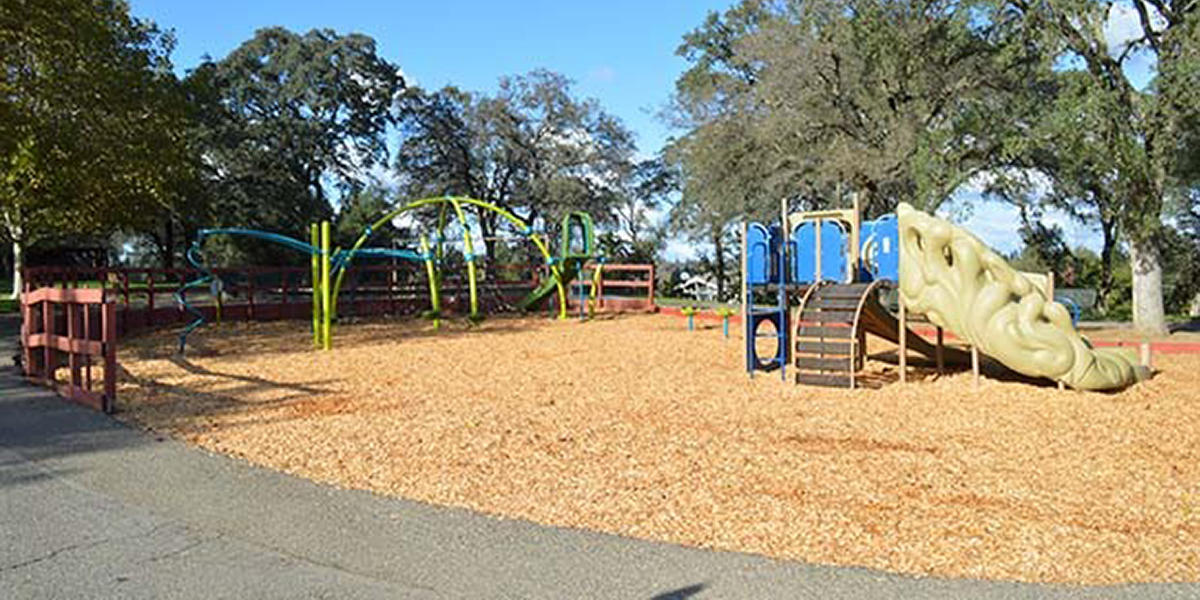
635, 426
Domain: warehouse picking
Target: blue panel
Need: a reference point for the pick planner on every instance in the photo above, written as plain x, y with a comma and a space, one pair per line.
833, 252
755, 319
881, 247
776, 258
803, 265
759, 255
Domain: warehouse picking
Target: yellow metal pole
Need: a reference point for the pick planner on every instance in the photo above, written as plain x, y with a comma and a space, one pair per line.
315, 231
435, 298
326, 297
469, 250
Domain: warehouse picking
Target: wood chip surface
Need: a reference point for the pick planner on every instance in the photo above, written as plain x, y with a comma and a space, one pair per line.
634, 426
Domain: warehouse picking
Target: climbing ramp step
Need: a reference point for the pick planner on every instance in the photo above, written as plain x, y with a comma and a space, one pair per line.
826, 348
845, 291
829, 316
825, 302
824, 379
824, 363
824, 331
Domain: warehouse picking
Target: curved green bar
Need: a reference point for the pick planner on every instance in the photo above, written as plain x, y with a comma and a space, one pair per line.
456, 202
469, 248
435, 298
586, 228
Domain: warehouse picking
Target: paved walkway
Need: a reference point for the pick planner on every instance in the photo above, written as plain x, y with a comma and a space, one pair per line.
90, 508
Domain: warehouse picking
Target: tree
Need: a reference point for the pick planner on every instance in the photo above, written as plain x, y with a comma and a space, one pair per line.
798, 100
635, 237
91, 121
1063, 161
1140, 130
902, 100
288, 117
533, 148
359, 210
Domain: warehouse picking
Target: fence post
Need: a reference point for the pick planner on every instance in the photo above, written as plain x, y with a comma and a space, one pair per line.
250, 294
48, 357
652, 286
108, 324
26, 331
72, 312
150, 298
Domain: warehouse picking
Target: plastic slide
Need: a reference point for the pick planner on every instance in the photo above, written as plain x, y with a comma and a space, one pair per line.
960, 284
568, 271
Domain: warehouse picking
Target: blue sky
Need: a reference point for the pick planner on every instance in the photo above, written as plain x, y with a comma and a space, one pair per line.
620, 52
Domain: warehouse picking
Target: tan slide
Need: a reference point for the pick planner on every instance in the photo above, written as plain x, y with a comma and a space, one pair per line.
960, 284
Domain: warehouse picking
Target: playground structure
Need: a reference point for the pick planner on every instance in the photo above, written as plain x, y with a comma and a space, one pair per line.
330, 265
826, 272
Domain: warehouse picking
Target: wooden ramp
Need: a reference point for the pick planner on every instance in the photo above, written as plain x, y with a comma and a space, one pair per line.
829, 335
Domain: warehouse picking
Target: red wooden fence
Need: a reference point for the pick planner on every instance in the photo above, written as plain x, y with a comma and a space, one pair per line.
77, 324
621, 288
144, 297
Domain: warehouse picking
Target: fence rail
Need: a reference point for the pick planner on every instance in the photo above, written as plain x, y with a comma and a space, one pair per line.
78, 325
144, 297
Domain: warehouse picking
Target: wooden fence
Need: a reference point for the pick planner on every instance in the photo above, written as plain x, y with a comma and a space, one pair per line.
621, 288
145, 297
77, 325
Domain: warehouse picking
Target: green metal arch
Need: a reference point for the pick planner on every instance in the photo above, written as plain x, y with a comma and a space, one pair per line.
456, 203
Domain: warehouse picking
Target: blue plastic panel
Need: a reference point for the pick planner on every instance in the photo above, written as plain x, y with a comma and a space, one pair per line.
881, 248
803, 260
834, 244
760, 255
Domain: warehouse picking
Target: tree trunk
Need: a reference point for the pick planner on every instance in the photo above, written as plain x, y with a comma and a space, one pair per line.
18, 263
718, 240
1148, 314
168, 245
1107, 251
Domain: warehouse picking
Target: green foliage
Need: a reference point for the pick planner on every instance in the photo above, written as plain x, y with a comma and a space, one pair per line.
636, 238
92, 120
1181, 258
533, 148
903, 101
284, 117
359, 210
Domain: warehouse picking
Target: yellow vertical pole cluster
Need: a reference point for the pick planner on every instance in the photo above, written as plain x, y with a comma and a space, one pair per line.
469, 251
435, 298
322, 300
326, 289
315, 238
